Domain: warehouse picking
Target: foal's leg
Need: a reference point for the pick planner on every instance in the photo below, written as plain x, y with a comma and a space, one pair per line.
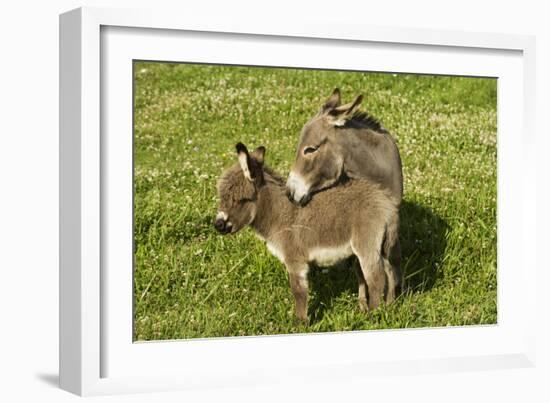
372, 267
362, 286
299, 286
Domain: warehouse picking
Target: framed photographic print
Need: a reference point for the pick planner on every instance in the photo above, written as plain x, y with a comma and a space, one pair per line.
237, 198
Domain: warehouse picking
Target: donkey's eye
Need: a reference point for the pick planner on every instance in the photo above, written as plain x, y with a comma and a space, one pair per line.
309, 150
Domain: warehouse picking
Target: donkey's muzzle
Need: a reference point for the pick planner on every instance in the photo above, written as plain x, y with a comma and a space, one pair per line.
304, 199
296, 189
223, 226
289, 194
301, 200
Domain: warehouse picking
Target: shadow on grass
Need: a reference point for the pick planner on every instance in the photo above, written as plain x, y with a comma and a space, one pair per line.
423, 242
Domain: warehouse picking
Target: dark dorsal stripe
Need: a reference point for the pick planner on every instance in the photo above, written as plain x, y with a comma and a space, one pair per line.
365, 120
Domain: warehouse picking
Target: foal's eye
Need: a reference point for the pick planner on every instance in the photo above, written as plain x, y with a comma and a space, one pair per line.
309, 150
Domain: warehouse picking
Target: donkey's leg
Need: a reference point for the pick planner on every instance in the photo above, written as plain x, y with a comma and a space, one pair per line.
372, 267
395, 261
299, 286
391, 252
362, 286
393, 280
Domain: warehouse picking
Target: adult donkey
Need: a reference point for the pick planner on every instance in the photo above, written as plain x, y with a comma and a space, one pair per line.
341, 143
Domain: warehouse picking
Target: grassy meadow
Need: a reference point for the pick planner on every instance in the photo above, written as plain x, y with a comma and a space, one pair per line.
190, 282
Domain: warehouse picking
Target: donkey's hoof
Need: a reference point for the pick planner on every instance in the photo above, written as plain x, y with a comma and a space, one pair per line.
373, 305
390, 298
363, 305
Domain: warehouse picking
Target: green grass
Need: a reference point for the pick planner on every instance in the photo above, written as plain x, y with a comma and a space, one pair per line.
192, 282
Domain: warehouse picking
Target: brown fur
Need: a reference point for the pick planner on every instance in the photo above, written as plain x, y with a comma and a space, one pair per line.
353, 219
342, 142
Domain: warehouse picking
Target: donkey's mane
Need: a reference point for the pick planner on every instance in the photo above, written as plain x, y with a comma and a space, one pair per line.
367, 121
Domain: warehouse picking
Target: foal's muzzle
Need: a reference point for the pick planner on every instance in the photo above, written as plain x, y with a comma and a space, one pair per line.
223, 226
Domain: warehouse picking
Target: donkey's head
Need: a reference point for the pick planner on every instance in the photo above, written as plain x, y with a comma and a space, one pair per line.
238, 189
319, 158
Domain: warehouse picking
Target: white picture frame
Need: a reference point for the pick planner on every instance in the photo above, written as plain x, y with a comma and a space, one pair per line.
97, 355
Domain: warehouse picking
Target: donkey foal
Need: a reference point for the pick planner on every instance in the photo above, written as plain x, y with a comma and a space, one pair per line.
358, 218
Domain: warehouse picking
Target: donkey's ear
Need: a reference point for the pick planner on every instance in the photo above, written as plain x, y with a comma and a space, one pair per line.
333, 101
244, 160
258, 155
341, 114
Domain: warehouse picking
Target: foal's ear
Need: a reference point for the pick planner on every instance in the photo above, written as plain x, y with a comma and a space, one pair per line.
341, 114
333, 101
251, 164
258, 154
244, 160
